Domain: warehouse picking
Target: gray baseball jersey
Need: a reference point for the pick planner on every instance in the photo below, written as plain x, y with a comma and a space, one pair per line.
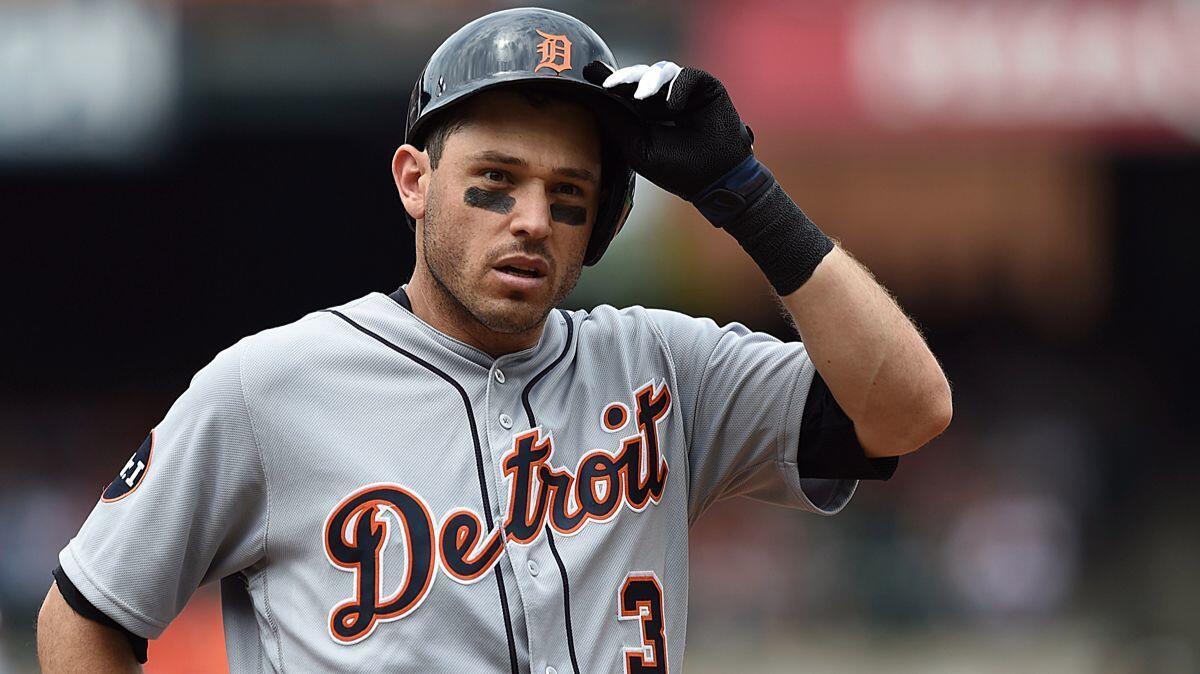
375, 495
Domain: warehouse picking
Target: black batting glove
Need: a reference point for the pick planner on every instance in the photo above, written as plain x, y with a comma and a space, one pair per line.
687, 134
688, 139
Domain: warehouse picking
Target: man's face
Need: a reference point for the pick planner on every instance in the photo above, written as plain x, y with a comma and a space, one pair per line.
510, 208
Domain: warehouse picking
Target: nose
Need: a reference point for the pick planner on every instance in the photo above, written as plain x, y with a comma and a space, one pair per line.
531, 214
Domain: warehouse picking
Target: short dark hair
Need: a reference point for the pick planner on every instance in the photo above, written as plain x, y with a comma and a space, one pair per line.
435, 140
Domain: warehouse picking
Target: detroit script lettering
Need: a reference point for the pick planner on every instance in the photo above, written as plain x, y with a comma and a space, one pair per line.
361, 526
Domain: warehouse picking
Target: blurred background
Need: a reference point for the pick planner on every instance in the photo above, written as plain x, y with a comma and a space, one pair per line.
1024, 175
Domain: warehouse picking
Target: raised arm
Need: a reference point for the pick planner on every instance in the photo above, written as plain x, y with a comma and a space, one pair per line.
871, 356
688, 138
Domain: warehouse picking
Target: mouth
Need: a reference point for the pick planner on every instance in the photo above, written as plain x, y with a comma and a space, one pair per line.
519, 280
522, 273
517, 270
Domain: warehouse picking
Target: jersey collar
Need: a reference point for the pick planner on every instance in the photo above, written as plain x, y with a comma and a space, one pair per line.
550, 342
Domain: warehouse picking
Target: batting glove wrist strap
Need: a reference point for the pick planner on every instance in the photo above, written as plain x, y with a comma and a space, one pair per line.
779, 237
726, 200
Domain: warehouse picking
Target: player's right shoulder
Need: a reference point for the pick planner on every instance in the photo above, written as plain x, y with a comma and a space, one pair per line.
288, 350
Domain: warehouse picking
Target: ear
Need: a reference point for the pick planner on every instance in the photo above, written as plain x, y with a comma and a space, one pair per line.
410, 169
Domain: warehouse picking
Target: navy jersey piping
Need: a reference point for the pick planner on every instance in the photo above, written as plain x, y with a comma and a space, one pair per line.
562, 569
487, 506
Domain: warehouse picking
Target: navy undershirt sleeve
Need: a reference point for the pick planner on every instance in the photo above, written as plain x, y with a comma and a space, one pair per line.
83, 607
829, 448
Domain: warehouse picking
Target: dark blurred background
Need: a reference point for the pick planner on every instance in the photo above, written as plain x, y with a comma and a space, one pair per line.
1023, 175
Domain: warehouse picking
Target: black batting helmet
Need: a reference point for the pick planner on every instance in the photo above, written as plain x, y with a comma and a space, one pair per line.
520, 46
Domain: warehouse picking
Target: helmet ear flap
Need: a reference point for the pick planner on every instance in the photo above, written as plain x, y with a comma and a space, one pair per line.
617, 180
615, 204
417, 101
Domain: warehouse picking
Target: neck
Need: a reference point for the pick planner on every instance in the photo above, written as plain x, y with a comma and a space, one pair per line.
443, 312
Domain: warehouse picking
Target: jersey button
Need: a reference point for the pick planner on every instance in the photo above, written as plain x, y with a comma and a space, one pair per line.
551, 670
533, 568
505, 421
499, 374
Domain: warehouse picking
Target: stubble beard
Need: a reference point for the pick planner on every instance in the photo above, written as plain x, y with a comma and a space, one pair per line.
445, 260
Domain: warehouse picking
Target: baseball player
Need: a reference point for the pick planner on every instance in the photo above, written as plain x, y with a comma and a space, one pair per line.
459, 477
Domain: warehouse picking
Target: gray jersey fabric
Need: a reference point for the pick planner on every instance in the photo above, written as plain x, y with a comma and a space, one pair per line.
374, 495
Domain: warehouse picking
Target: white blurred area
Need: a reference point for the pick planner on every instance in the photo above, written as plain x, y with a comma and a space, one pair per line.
85, 80
1029, 62
1013, 556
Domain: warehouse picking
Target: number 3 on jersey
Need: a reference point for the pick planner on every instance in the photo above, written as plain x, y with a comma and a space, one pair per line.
641, 598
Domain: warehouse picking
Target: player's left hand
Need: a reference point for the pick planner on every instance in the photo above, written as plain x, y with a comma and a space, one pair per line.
687, 134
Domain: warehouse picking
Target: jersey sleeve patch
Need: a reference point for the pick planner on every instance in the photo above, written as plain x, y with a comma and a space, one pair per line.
132, 473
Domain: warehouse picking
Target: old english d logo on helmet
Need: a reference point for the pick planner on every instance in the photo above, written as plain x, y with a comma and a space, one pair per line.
528, 46
555, 51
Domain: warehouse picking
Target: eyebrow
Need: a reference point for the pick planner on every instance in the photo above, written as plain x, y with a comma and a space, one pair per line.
498, 157
576, 173
501, 158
